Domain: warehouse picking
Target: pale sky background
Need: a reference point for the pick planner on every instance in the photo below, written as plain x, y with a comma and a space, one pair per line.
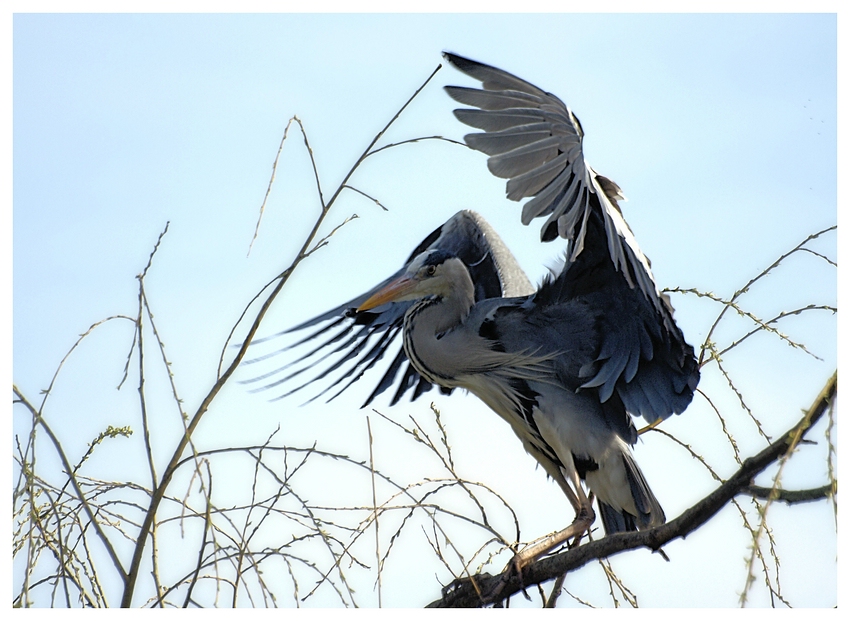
721, 130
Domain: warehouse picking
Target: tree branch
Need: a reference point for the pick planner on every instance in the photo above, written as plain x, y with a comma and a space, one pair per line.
131, 575
485, 589
791, 496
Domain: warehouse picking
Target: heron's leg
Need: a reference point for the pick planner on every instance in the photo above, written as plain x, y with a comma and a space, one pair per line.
581, 524
574, 499
585, 508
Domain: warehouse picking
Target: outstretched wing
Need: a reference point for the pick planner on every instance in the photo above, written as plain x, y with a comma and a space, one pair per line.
349, 342
535, 141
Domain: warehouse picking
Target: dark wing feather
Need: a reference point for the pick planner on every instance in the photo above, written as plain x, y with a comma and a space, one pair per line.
638, 354
351, 342
631, 350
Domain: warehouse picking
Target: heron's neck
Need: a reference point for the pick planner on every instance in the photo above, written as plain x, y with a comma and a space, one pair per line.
437, 316
427, 322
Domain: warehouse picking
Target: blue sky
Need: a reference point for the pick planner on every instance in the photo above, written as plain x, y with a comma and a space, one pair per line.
721, 130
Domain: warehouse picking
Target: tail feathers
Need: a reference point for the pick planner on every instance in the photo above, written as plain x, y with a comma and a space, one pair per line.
616, 521
648, 512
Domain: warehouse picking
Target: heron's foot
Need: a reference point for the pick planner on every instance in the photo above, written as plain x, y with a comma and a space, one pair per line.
486, 589
533, 551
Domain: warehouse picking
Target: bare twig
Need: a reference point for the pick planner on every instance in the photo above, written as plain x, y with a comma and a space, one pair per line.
271, 181
731, 303
362, 193
414, 140
375, 512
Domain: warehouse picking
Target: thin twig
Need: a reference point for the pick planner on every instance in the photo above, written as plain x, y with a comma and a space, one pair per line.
762, 274
413, 140
271, 183
375, 512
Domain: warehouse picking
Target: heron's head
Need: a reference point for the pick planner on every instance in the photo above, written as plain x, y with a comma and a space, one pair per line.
433, 273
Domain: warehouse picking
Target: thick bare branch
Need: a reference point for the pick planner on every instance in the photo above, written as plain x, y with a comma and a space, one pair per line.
485, 589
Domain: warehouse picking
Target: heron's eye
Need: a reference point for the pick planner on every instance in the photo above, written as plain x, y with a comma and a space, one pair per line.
430, 270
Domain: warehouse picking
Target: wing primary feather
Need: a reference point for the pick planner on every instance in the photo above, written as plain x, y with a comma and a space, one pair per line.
494, 143
535, 180
498, 120
544, 202
492, 78
298, 372
410, 378
364, 363
388, 377
356, 339
309, 337
491, 100
558, 204
334, 338
525, 159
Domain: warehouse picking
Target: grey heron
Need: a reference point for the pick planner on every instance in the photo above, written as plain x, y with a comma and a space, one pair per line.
567, 364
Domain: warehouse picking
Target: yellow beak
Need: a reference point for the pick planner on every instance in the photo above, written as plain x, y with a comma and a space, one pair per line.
392, 292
